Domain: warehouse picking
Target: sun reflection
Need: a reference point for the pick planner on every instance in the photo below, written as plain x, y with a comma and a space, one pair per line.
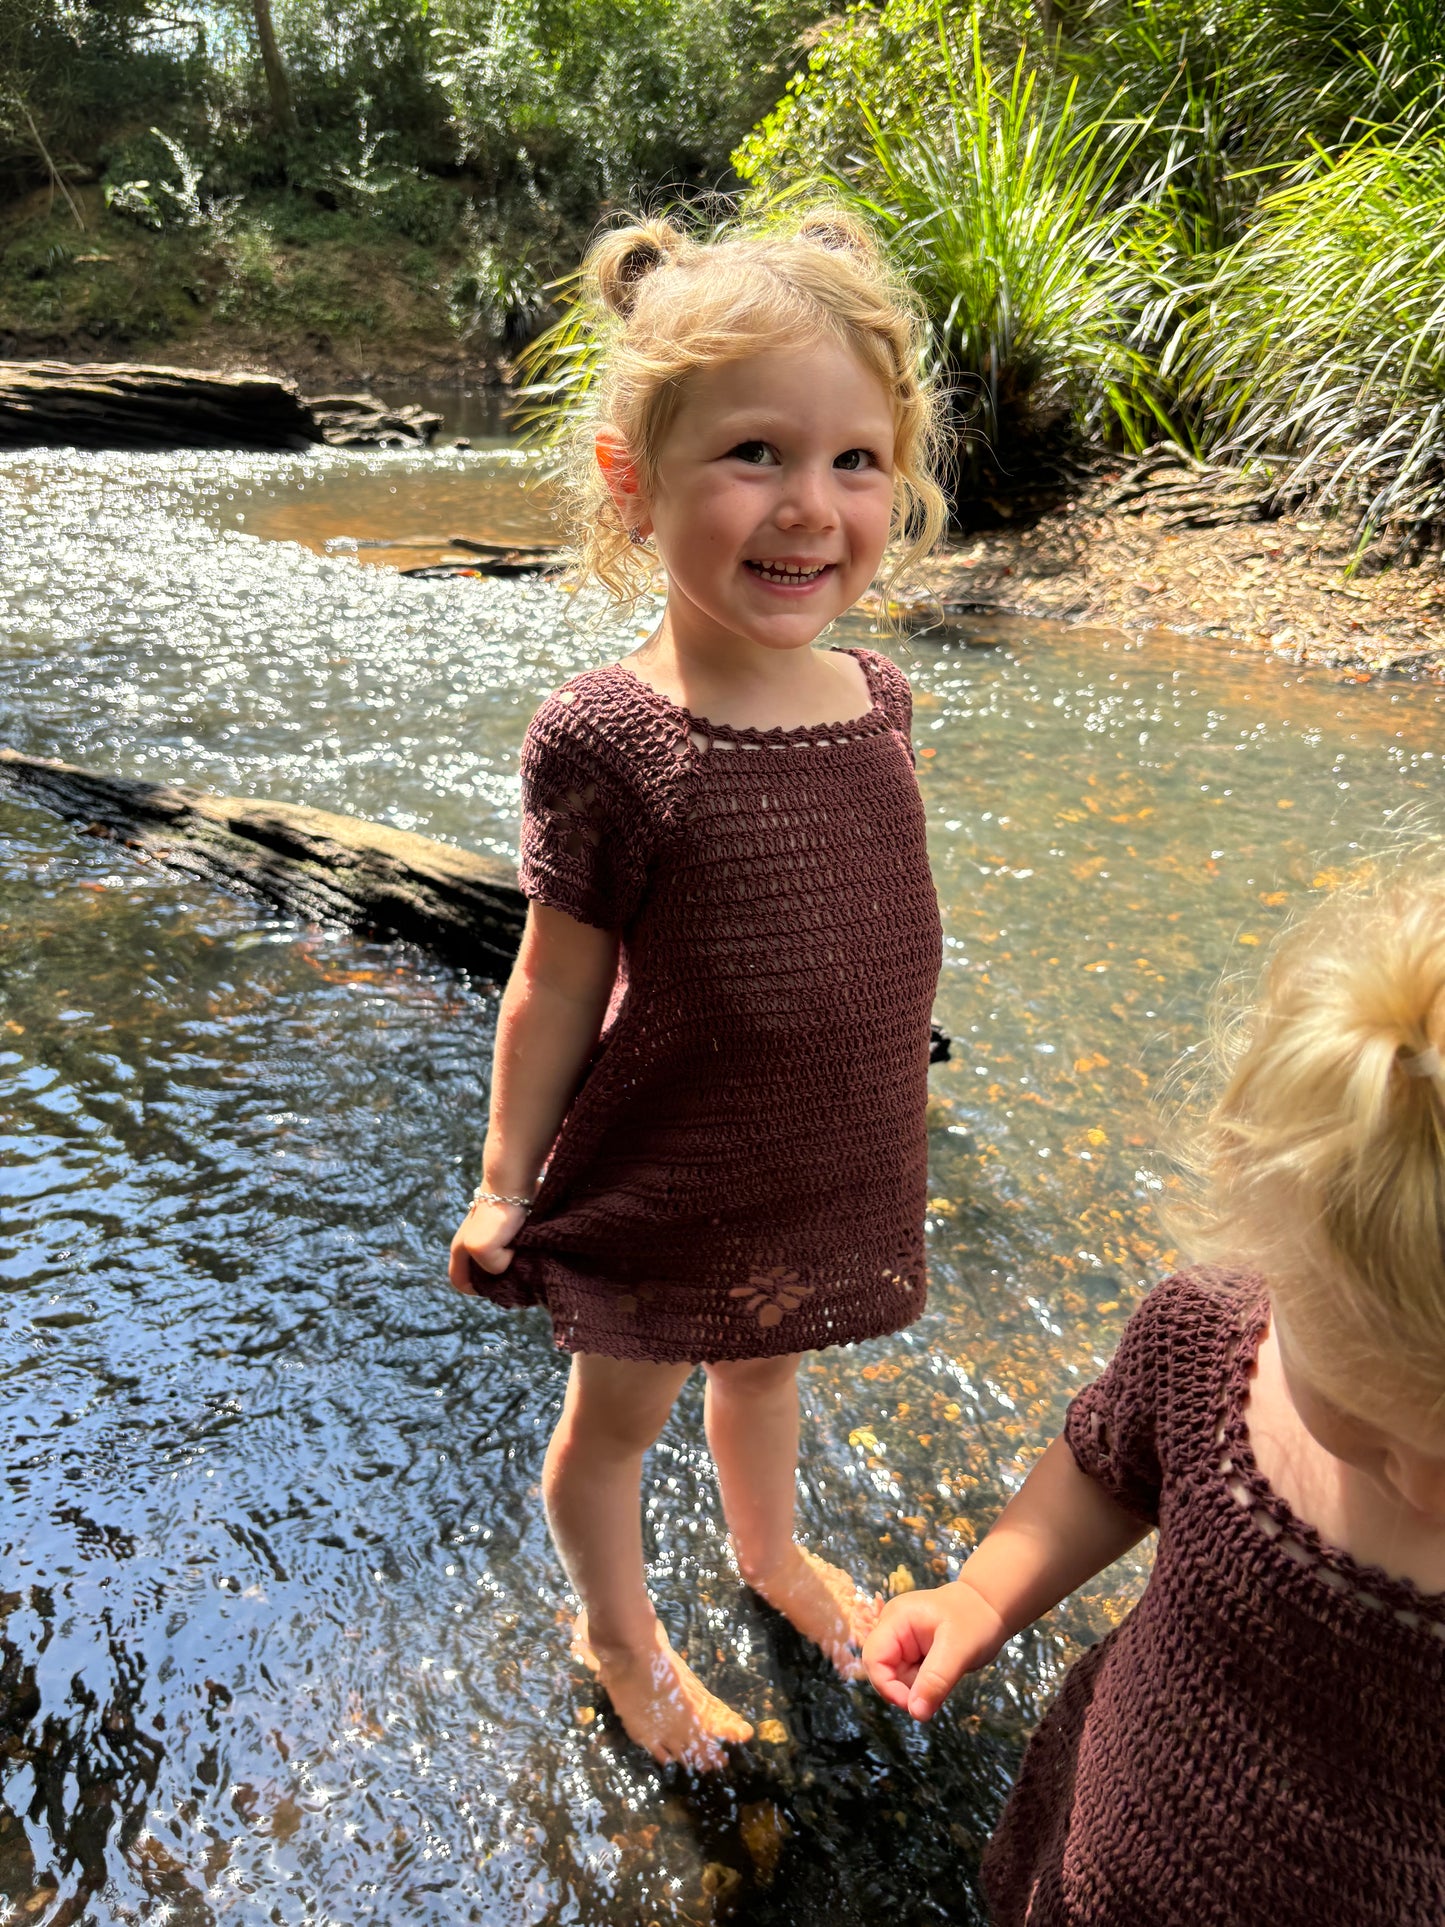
276, 1488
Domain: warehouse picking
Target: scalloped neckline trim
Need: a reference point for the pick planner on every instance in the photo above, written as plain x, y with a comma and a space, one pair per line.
1234, 1459
855, 726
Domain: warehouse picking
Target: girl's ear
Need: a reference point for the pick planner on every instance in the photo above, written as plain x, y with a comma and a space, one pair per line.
619, 471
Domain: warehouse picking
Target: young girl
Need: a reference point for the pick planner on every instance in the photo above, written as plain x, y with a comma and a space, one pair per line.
1263, 1738
707, 1137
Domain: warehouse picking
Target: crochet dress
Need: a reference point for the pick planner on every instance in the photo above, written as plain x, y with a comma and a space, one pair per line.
1262, 1740
742, 1171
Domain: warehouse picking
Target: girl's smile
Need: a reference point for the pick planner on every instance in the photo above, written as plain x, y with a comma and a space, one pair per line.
790, 576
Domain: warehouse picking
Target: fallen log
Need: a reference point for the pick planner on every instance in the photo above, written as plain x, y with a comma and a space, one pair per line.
458, 554
457, 905
61, 404
55, 404
516, 562
336, 544
313, 863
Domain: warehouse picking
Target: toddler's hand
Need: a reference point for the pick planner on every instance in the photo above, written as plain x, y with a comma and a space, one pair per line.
484, 1239
925, 1642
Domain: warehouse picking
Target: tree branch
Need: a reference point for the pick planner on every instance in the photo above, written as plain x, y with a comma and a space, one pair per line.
55, 180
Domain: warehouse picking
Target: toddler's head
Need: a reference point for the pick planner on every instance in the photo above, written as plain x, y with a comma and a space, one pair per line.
804, 327
1323, 1159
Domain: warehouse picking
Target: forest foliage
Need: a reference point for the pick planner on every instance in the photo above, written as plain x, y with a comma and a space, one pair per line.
484, 137
1219, 222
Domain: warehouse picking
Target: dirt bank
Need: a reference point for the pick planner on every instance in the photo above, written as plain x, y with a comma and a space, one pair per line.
317, 364
331, 300
1187, 552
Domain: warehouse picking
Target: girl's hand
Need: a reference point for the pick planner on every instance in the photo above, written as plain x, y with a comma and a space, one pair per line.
484, 1239
925, 1642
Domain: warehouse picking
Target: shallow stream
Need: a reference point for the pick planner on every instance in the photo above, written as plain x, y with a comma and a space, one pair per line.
283, 1639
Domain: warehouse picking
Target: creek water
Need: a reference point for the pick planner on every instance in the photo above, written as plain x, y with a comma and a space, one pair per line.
283, 1638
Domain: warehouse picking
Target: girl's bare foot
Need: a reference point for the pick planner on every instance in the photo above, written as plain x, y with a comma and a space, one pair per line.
662, 1703
824, 1604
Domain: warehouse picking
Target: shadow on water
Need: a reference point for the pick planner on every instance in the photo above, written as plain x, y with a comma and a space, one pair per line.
283, 1639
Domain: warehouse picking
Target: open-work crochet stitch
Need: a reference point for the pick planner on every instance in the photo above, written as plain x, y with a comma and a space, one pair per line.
1262, 1740
743, 1169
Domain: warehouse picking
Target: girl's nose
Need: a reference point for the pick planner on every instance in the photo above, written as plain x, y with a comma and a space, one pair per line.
807, 500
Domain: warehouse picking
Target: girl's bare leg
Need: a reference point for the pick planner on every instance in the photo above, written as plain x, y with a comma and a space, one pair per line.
591, 1483
752, 1429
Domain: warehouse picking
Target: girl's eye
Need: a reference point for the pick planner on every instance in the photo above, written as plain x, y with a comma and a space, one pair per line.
756, 453
856, 458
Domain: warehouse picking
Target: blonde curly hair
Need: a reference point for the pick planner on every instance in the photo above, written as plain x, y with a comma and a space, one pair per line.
667, 305
1322, 1158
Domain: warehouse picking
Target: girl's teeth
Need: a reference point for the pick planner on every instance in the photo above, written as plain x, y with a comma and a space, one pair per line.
779, 572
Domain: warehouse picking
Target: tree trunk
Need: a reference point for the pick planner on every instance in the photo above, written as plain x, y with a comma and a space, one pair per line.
278, 85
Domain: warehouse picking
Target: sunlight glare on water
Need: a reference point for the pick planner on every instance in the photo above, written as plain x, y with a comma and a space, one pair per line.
283, 1636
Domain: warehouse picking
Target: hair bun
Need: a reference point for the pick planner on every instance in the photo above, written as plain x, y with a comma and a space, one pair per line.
840, 232
620, 261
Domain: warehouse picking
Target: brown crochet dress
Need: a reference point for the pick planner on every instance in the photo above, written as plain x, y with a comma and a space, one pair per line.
1261, 1743
743, 1169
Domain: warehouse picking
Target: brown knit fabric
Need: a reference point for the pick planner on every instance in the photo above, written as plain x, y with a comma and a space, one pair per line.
743, 1170
1263, 1739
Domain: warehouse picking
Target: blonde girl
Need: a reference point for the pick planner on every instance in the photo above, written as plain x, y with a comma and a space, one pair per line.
707, 1141
1263, 1738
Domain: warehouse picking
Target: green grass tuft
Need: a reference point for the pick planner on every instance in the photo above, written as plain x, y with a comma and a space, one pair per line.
1322, 339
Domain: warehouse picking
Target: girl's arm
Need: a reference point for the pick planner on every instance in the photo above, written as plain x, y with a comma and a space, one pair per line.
549, 1020
1059, 1530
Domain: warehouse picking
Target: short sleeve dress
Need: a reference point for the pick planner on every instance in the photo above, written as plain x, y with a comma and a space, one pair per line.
1262, 1739
742, 1170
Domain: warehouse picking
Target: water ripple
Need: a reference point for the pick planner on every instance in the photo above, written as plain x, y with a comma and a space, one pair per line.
283, 1638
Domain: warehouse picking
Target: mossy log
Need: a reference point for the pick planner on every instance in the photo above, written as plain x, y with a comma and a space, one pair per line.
461, 907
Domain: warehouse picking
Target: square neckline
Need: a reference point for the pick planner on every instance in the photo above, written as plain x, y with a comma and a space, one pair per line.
852, 728
1233, 1459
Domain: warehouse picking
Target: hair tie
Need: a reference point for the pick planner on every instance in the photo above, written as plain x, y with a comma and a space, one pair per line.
1425, 1063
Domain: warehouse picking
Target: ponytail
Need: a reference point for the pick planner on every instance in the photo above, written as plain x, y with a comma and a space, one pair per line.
1322, 1159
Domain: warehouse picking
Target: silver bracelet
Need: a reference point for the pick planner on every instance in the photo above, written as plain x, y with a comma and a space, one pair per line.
483, 1196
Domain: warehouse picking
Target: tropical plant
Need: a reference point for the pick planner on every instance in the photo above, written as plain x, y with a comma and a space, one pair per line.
495, 292
1003, 191
1236, 93
877, 63
1346, 67
1322, 339
1188, 73
558, 368
1007, 212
